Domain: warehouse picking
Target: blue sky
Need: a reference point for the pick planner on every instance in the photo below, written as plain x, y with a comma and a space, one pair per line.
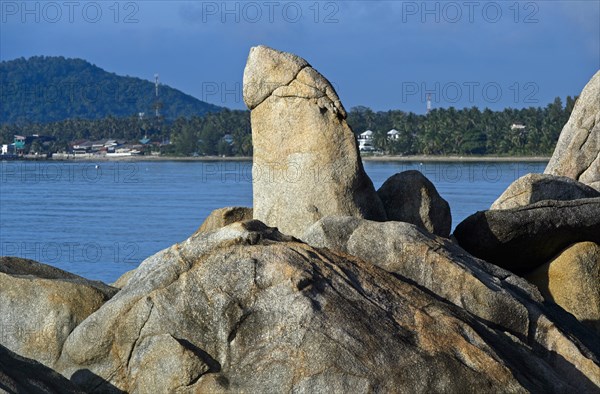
381, 54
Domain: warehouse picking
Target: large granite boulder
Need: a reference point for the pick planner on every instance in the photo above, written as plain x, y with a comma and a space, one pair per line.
40, 305
532, 188
410, 197
224, 216
306, 163
21, 375
248, 309
572, 280
522, 239
431, 262
441, 267
577, 153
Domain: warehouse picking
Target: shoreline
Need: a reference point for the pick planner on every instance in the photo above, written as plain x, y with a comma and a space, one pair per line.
457, 159
415, 158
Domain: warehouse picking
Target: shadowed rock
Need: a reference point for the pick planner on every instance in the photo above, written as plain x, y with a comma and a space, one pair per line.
572, 280
577, 153
306, 163
522, 239
432, 262
533, 188
21, 375
438, 265
410, 197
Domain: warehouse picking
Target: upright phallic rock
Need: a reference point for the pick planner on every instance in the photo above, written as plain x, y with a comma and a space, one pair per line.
577, 153
410, 197
306, 162
533, 188
40, 305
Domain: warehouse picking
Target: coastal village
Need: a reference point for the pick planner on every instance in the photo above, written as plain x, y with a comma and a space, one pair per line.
32, 147
37, 146
113, 148
24, 147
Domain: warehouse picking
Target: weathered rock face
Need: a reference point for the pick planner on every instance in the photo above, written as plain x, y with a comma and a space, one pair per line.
306, 163
438, 265
410, 197
522, 239
123, 279
40, 305
572, 280
21, 375
224, 216
533, 188
577, 153
246, 308
431, 262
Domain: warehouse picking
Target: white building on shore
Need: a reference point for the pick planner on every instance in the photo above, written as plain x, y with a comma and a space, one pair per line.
393, 134
365, 141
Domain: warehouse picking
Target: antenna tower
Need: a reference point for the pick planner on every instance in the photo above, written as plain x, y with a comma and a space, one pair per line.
156, 103
428, 102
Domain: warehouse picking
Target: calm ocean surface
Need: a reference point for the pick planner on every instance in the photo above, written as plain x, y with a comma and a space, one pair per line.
100, 220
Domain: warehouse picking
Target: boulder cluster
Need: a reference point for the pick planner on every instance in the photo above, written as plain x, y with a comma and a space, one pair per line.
328, 285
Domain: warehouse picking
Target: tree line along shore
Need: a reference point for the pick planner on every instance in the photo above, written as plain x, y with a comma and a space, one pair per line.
369, 158
443, 132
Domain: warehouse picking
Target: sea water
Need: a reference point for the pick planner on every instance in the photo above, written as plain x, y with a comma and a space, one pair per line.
102, 219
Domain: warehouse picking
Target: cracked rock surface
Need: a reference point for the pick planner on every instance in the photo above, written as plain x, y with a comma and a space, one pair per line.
439, 266
577, 153
248, 309
306, 163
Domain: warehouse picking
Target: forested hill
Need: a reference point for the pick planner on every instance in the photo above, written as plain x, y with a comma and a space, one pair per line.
46, 89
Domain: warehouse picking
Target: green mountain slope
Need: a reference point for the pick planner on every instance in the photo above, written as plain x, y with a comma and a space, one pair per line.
46, 89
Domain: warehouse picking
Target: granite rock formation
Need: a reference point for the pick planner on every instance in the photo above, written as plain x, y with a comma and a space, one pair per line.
40, 305
577, 153
521, 239
572, 280
306, 163
532, 188
246, 308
